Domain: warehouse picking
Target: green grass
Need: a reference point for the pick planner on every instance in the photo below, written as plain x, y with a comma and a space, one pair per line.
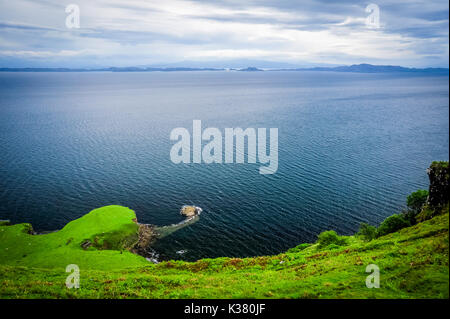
111, 230
413, 263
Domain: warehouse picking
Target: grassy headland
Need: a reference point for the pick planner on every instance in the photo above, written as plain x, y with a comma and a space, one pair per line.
411, 251
413, 264
98, 240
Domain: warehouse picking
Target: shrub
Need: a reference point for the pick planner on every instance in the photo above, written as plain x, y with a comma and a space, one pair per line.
298, 248
417, 199
330, 237
392, 224
367, 232
428, 213
415, 203
333, 247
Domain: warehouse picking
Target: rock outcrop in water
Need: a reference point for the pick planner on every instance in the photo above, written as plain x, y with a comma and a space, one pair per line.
190, 211
147, 237
148, 233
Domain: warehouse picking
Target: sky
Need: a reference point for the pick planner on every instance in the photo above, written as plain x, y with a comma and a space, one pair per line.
278, 33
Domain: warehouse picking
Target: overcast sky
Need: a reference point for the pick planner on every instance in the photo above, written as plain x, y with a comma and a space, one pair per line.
158, 32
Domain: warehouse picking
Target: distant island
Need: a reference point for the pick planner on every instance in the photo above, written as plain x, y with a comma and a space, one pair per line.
110, 69
355, 68
250, 69
370, 68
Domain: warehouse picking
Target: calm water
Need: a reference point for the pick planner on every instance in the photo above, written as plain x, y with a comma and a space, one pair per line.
351, 148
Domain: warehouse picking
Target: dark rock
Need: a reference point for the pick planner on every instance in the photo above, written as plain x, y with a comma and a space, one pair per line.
438, 174
147, 237
6, 222
86, 244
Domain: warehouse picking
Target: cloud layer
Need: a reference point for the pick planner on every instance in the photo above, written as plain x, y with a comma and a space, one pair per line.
150, 32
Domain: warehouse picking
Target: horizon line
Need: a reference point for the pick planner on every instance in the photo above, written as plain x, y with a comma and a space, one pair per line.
248, 68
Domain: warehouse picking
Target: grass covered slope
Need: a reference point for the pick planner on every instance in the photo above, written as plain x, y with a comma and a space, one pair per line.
104, 233
413, 263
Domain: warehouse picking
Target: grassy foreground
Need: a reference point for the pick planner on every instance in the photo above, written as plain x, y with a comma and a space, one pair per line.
413, 262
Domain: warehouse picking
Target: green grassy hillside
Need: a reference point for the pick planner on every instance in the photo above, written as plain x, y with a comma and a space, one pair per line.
413, 263
110, 231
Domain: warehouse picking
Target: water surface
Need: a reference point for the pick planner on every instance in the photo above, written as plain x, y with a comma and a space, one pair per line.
351, 148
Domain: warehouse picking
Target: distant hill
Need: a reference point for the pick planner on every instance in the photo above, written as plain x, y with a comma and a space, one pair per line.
357, 68
370, 68
111, 69
250, 69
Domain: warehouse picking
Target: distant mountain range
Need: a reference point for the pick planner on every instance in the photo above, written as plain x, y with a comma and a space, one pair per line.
370, 68
357, 68
111, 69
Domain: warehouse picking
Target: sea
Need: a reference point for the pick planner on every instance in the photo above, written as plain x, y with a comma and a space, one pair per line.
351, 147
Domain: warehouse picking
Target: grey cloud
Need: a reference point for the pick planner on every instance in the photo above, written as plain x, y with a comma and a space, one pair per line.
421, 25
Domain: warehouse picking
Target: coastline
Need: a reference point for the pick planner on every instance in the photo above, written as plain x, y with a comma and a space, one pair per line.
104, 243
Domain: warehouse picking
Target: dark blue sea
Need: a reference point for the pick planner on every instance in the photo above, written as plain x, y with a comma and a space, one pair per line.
352, 146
